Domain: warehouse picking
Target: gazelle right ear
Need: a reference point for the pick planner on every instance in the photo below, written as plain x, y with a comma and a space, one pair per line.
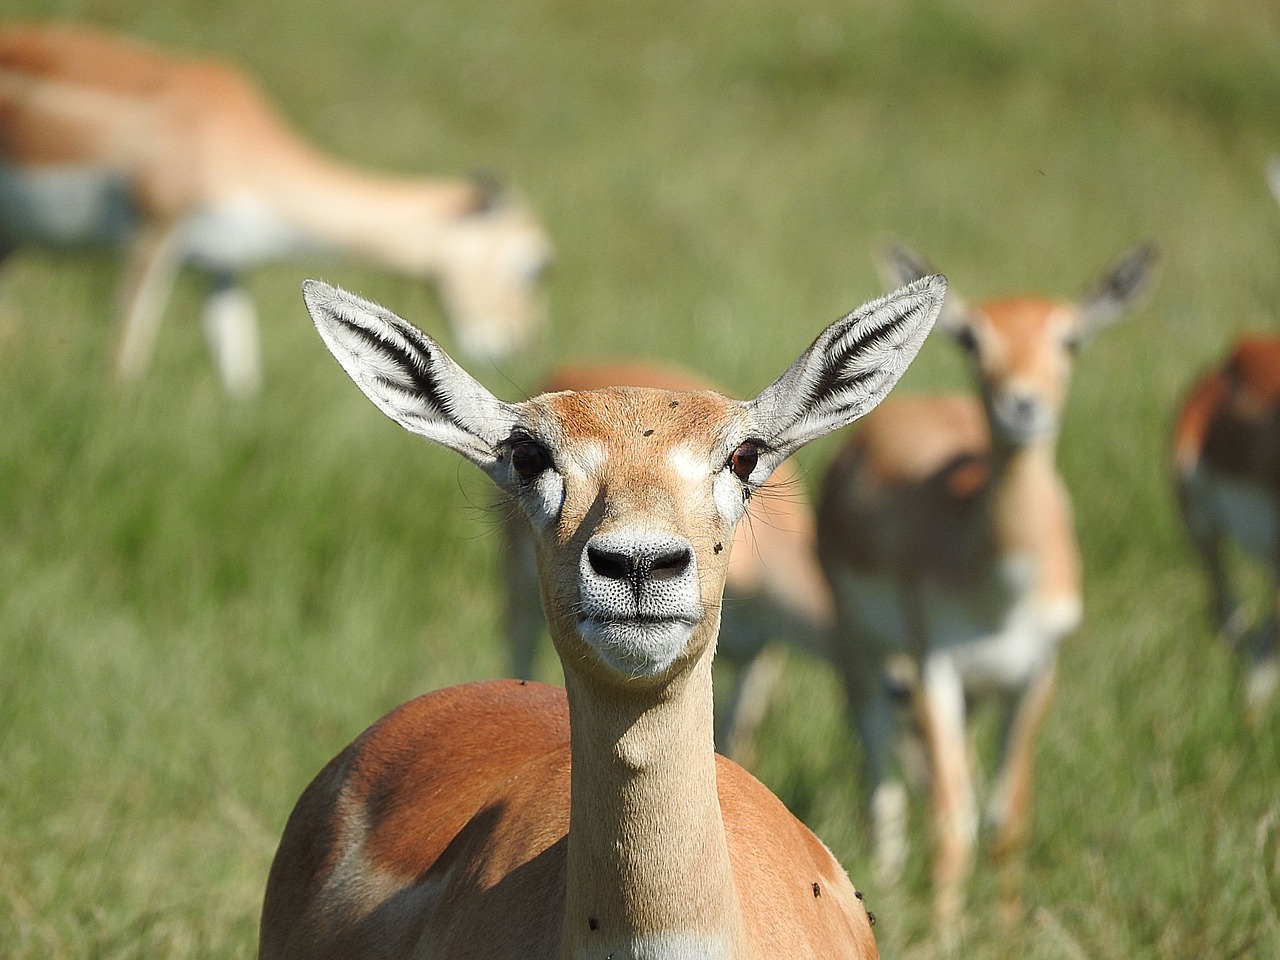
408, 376
1118, 290
849, 369
899, 265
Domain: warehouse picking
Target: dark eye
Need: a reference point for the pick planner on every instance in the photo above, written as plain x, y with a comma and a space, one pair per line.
964, 336
529, 459
743, 461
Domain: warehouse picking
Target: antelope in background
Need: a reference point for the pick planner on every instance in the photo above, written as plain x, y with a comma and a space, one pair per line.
510, 819
774, 589
104, 141
1226, 454
946, 532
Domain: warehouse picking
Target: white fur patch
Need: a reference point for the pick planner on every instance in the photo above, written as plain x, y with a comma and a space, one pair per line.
545, 500
999, 637
661, 946
729, 496
588, 456
242, 232
688, 465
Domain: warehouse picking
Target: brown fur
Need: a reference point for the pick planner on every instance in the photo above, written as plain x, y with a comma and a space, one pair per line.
467, 824
1231, 418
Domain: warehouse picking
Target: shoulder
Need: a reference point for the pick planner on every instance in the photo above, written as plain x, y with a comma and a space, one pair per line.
797, 899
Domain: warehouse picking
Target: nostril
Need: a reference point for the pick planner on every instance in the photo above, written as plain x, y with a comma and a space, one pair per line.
608, 564
670, 564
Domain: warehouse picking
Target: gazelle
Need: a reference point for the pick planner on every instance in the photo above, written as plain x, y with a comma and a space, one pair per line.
946, 532
774, 588
182, 161
511, 819
1226, 453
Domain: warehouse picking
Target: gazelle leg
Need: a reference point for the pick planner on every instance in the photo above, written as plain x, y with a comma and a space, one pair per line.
1009, 808
150, 270
875, 721
1263, 676
1207, 539
231, 328
863, 664
941, 707
749, 702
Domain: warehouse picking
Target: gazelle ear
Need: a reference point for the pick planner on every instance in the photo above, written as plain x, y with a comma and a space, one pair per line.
899, 265
849, 369
1117, 291
407, 376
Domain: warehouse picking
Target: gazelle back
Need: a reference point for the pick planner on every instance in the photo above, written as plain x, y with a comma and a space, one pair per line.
182, 161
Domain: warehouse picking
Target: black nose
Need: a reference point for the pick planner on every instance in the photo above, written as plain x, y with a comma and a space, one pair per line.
657, 565
609, 564
670, 563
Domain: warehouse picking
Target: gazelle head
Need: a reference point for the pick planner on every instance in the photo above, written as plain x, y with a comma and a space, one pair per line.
632, 494
1023, 348
491, 268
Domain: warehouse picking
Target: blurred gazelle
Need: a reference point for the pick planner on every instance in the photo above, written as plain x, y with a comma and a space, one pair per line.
946, 532
182, 161
516, 820
1226, 451
774, 590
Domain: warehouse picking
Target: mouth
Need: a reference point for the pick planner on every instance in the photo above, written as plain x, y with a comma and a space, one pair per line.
1022, 430
637, 646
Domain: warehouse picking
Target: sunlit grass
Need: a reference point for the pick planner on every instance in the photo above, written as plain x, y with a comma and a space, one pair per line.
200, 602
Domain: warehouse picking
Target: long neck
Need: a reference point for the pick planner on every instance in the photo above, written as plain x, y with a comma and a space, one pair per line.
1023, 477
394, 222
648, 863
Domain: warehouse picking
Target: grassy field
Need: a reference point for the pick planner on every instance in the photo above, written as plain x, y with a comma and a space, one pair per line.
200, 602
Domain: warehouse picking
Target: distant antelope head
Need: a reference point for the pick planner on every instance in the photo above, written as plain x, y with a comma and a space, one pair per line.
491, 271
632, 494
1022, 348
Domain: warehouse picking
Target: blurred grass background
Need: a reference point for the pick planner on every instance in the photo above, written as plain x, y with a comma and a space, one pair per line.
201, 602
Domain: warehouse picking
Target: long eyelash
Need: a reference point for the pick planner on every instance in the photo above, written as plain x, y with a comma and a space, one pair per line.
791, 490
508, 505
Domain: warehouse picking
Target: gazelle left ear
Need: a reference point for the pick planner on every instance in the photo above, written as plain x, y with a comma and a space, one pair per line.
849, 369
407, 376
1119, 289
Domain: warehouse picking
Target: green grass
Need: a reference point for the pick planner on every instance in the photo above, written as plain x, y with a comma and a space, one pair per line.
201, 602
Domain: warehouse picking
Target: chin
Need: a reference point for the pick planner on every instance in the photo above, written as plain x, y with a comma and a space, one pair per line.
637, 648
1022, 434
